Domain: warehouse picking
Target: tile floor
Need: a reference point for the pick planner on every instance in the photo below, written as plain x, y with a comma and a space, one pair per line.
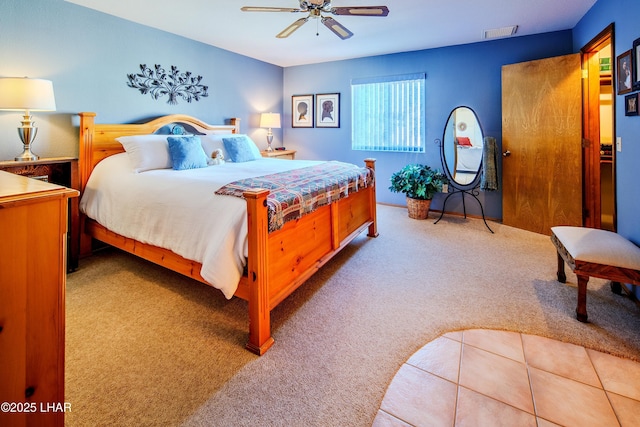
495, 378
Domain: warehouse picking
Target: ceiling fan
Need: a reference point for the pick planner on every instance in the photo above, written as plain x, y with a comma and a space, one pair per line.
315, 8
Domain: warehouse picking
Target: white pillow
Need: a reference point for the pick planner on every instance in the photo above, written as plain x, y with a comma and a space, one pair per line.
213, 141
147, 152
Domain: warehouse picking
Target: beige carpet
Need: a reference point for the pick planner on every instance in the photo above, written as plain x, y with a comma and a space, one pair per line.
146, 346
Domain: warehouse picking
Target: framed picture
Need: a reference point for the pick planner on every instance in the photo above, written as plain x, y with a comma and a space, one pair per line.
328, 110
631, 105
302, 111
624, 72
635, 61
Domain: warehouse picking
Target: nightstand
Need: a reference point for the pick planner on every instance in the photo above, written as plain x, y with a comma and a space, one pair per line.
61, 171
280, 154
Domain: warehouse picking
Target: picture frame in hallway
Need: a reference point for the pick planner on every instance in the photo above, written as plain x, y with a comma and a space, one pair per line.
328, 110
631, 105
635, 56
624, 72
302, 111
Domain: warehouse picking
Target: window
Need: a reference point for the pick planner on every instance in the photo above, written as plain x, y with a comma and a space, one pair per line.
388, 113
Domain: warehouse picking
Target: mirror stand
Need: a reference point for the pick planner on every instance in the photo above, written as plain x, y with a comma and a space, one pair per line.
461, 151
473, 192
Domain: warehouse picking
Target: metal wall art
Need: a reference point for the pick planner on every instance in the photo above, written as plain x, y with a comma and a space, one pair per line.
159, 82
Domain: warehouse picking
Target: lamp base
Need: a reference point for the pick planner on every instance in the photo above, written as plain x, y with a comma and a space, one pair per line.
27, 156
27, 133
269, 140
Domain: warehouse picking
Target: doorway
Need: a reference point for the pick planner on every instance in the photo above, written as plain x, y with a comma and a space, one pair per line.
599, 155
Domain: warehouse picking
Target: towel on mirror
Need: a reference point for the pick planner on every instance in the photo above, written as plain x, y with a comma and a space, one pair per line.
489, 177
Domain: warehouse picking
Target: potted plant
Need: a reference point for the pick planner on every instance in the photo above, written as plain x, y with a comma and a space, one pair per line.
419, 183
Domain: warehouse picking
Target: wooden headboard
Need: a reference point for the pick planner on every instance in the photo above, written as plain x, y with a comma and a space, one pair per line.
98, 141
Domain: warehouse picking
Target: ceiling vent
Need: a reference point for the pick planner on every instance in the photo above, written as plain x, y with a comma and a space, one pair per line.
500, 32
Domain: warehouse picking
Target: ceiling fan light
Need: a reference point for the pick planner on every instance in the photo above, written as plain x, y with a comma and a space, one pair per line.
500, 32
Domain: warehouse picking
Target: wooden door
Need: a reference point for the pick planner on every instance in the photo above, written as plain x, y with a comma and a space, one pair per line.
542, 144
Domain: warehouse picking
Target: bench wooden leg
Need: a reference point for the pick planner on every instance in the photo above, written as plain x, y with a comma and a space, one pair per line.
581, 309
562, 278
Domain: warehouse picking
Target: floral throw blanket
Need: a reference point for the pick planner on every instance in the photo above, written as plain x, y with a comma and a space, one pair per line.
301, 191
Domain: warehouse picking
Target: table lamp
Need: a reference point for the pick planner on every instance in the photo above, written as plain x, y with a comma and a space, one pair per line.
270, 120
24, 94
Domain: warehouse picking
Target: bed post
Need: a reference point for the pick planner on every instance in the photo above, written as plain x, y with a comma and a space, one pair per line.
85, 155
373, 227
87, 122
235, 121
260, 339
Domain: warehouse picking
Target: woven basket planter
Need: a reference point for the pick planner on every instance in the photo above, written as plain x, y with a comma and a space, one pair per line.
418, 209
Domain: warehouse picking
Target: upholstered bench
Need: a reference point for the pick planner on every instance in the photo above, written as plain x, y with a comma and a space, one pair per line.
595, 253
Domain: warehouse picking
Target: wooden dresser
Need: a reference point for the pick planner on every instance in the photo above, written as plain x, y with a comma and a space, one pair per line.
33, 232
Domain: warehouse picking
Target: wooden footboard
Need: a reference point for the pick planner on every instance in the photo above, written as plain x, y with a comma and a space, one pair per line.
278, 262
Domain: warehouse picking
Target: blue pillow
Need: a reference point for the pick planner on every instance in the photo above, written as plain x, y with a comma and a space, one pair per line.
186, 152
241, 148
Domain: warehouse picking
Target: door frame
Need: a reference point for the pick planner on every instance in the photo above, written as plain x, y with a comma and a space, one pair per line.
591, 128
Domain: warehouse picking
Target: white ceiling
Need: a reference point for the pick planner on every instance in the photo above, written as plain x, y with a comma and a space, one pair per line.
411, 24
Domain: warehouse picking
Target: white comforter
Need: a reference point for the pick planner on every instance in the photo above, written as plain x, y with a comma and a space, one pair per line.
469, 159
179, 211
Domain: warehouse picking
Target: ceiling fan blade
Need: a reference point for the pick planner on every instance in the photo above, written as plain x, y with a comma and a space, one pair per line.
361, 11
291, 28
337, 28
268, 9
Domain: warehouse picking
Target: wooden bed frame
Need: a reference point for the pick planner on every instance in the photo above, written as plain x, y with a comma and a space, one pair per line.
278, 262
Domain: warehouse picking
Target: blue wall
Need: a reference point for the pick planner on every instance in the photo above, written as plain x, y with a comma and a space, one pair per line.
88, 54
624, 14
468, 75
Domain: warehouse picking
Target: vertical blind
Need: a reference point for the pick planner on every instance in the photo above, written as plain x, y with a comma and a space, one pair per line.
388, 113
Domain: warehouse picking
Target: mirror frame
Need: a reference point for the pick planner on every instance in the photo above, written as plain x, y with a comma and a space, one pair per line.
445, 167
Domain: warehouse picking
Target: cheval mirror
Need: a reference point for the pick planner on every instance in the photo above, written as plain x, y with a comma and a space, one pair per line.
461, 151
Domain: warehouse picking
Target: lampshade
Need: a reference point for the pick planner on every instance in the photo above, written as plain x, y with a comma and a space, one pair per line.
22, 93
26, 95
270, 120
